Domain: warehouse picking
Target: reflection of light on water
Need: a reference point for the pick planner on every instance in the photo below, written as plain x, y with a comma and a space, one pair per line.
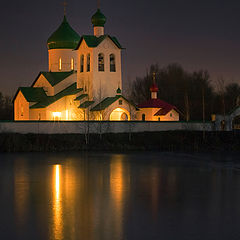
155, 189
21, 191
117, 181
57, 182
57, 205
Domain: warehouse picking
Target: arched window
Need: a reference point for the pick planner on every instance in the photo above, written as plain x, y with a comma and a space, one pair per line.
72, 64
88, 63
60, 64
81, 63
124, 117
143, 117
100, 62
112, 63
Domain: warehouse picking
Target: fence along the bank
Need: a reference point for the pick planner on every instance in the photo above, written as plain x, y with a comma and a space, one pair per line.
79, 127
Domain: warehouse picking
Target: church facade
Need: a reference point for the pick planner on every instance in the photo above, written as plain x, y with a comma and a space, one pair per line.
83, 82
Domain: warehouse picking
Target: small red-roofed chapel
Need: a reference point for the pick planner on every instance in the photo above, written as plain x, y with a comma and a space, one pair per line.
156, 109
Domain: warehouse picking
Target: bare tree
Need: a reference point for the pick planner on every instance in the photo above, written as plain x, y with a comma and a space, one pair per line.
221, 90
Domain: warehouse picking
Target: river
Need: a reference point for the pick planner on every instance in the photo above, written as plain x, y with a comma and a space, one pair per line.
108, 196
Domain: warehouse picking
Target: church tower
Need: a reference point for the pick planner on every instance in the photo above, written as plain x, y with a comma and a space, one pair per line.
98, 21
61, 45
99, 68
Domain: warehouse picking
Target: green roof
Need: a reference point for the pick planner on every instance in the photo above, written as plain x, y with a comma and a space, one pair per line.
105, 103
86, 104
81, 97
64, 37
98, 19
71, 90
108, 101
33, 94
54, 77
93, 41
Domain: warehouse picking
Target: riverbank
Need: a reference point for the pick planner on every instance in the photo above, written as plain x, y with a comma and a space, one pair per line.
171, 141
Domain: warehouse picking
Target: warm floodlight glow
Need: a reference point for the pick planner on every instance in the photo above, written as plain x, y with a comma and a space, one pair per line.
60, 64
72, 63
67, 115
56, 115
119, 114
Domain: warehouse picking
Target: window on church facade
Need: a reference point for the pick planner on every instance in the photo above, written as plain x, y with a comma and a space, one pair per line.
100, 62
88, 63
143, 117
72, 64
81, 63
21, 110
112, 63
60, 64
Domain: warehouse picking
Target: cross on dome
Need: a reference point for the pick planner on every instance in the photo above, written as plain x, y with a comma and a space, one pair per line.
65, 7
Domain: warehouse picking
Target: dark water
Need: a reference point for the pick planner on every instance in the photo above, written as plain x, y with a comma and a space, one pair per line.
117, 196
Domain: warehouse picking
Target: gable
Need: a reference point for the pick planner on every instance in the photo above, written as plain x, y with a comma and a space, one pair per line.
53, 78
108, 102
93, 41
70, 90
84, 45
42, 82
107, 43
19, 97
32, 94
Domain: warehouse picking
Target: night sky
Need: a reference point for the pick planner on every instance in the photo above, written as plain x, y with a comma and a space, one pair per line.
197, 34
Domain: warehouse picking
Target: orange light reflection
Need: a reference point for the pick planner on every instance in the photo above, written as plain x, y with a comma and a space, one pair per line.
57, 204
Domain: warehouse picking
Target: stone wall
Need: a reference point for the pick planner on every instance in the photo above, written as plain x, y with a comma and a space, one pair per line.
81, 127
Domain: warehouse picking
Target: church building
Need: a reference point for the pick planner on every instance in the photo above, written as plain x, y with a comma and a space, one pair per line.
83, 81
156, 109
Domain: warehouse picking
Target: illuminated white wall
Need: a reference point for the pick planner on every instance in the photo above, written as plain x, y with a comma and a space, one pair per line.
21, 108
149, 115
84, 79
65, 55
43, 82
100, 85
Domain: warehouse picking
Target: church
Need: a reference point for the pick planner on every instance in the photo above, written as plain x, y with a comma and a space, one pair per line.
83, 82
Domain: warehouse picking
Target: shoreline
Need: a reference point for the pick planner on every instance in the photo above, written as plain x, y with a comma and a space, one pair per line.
170, 141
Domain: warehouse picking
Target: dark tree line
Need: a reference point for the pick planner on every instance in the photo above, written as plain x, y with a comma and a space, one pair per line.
193, 93
6, 107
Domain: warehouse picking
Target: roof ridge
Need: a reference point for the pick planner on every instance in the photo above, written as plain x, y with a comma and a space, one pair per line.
51, 99
94, 41
54, 77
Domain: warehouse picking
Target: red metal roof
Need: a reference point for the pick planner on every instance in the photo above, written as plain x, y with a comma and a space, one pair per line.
154, 103
158, 103
163, 111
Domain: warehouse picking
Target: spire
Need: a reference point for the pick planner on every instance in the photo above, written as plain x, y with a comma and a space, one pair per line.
154, 87
154, 78
98, 4
65, 7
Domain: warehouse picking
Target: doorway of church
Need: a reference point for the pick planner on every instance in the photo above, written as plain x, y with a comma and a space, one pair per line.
119, 114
